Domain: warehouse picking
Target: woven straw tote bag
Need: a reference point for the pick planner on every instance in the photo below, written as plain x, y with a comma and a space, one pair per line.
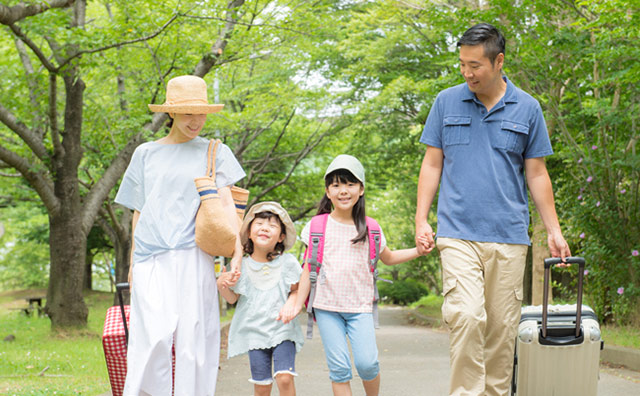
214, 234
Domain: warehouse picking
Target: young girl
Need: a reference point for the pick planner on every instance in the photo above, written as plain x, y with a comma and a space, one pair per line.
268, 299
174, 301
345, 289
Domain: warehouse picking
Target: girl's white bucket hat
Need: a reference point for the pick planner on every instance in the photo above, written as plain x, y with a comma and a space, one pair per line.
275, 208
186, 95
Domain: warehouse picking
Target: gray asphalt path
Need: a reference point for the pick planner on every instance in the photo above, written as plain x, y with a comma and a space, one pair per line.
414, 360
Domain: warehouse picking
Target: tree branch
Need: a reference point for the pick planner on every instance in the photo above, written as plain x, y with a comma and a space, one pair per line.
120, 44
30, 138
412, 5
4, 174
302, 154
32, 83
266, 159
247, 24
209, 60
299, 213
99, 192
573, 5
36, 50
250, 136
53, 116
38, 180
10, 15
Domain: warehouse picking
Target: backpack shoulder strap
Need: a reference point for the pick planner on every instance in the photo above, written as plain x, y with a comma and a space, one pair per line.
375, 239
373, 230
313, 259
315, 247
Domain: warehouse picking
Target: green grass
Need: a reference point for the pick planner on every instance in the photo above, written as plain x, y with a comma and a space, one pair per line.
42, 362
625, 336
429, 305
71, 363
427, 311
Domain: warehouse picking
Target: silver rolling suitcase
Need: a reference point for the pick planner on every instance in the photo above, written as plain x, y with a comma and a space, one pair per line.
557, 347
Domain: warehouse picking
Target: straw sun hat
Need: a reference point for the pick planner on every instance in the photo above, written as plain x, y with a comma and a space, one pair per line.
186, 95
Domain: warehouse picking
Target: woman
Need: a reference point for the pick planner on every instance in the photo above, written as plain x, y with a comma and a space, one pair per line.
174, 299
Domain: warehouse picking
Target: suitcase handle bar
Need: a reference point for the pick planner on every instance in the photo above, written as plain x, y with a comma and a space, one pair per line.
568, 260
548, 263
120, 287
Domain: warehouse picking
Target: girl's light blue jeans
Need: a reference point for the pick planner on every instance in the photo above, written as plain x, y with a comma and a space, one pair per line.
334, 328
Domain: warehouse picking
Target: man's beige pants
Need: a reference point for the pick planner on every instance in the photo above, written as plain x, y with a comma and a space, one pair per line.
482, 287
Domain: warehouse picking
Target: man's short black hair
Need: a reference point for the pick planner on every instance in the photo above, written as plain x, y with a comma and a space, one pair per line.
486, 35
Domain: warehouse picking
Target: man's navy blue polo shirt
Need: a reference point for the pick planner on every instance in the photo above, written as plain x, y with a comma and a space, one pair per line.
483, 194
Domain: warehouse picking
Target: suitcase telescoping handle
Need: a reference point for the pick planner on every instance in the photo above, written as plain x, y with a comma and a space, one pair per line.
120, 287
548, 263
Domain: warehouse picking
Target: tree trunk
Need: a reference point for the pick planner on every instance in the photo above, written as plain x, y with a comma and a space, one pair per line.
65, 304
123, 257
540, 251
87, 282
67, 234
122, 247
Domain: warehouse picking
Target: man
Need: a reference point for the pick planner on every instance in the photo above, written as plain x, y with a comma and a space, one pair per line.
484, 138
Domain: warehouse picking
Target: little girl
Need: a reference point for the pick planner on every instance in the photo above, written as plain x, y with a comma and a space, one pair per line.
344, 292
268, 299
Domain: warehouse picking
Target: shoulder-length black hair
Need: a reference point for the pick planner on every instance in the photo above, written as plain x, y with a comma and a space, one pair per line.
358, 212
279, 248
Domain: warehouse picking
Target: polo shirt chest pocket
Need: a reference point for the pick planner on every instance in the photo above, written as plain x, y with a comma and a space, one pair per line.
456, 130
512, 136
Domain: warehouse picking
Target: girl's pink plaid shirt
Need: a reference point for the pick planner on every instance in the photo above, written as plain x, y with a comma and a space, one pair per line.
345, 282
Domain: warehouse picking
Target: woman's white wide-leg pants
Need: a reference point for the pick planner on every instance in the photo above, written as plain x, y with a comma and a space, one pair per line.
174, 300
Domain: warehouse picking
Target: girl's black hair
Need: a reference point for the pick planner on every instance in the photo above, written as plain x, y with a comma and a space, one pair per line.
358, 212
279, 248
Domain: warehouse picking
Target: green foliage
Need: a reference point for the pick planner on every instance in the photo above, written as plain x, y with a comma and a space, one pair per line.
588, 86
402, 291
24, 251
394, 208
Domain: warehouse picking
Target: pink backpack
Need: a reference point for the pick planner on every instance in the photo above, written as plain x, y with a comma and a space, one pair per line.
313, 259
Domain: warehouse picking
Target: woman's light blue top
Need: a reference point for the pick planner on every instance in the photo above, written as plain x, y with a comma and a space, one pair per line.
263, 290
159, 184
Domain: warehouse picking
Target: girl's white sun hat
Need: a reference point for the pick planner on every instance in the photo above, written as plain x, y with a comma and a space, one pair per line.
348, 162
275, 208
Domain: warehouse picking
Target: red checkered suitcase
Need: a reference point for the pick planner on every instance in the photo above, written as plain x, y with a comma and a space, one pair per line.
115, 337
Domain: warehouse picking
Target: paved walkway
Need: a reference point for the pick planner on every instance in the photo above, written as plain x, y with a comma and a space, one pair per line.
413, 360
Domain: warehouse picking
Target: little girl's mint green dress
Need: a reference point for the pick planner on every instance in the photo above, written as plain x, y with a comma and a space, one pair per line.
263, 289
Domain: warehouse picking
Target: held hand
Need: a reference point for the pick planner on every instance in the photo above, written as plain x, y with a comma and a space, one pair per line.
424, 238
558, 247
422, 241
288, 312
227, 279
